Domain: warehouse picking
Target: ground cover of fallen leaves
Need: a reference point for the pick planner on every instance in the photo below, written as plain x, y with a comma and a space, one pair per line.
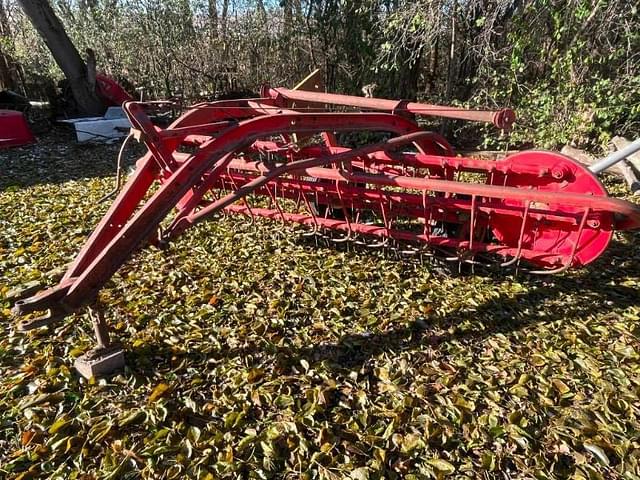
252, 353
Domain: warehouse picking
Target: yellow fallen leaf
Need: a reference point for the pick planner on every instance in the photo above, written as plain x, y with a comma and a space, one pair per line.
538, 360
560, 386
159, 391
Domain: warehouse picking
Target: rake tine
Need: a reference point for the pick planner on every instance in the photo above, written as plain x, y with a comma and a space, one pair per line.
314, 232
347, 237
516, 257
272, 198
244, 200
567, 265
472, 225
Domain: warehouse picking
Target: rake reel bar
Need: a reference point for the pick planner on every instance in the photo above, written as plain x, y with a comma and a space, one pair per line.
280, 157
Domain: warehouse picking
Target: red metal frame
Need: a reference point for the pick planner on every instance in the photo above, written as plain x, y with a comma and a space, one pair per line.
503, 118
246, 158
110, 91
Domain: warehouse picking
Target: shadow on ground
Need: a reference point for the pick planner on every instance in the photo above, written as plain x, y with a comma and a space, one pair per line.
595, 290
58, 158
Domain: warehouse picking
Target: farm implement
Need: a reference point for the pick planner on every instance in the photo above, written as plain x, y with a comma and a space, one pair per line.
351, 169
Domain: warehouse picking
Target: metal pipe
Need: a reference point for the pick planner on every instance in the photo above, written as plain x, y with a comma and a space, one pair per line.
615, 157
502, 119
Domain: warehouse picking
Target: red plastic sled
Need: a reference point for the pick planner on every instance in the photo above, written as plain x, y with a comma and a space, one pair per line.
14, 130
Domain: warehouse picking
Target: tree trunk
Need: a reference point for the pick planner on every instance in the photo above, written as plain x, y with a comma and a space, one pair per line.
288, 16
621, 169
634, 158
452, 71
8, 77
225, 11
213, 18
432, 71
64, 53
262, 11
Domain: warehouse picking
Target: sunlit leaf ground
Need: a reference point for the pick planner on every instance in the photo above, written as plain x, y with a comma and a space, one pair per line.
251, 353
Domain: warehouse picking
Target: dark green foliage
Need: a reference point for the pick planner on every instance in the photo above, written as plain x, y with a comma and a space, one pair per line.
570, 68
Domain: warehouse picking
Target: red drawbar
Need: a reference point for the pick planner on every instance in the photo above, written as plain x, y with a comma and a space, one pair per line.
14, 130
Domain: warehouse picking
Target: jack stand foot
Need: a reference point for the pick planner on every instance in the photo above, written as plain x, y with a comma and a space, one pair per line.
106, 357
100, 361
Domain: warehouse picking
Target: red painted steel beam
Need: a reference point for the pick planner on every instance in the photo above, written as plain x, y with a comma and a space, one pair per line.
502, 119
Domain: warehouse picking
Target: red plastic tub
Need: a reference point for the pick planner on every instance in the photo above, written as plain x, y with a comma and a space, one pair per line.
14, 130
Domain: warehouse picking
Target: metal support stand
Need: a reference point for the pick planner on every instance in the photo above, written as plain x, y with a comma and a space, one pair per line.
106, 357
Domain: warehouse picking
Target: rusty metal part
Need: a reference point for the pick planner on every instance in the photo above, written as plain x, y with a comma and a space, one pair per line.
106, 357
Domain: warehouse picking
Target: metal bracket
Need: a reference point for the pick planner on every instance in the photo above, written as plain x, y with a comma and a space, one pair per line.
401, 108
100, 361
53, 315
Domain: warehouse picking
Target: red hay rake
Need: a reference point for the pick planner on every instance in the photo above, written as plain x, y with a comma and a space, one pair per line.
279, 157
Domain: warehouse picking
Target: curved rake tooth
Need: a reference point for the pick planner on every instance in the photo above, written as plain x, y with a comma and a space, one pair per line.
516, 257
245, 201
412, 251
380, 244
359, 240
312, 233
342, 239
345, 212
574, 250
